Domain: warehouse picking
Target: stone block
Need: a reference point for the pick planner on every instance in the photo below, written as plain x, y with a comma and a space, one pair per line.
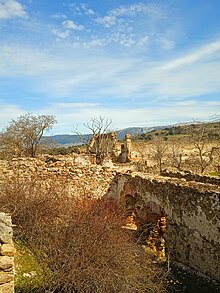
6, 262
7, 288
6, 277
7, 250
5, 228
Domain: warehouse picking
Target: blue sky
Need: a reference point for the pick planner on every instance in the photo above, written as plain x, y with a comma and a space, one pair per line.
139, 63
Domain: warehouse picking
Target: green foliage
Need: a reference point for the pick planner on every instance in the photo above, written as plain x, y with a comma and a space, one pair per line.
215, 173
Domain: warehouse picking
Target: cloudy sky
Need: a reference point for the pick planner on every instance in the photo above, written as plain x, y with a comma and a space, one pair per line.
139, 63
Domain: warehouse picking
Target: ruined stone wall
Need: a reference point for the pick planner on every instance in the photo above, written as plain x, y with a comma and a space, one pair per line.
7, 252
189, 176
78, 173
193, 216
192, 209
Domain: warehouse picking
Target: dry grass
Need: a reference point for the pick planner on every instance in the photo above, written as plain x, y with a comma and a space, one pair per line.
179, 155
78, 242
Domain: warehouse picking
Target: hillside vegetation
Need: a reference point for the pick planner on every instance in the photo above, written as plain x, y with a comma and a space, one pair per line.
193, 147
185, 132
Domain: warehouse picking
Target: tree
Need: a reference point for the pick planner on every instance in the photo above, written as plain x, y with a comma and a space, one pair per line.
159, 151
203, 148
102, 142
176, 154
24, 135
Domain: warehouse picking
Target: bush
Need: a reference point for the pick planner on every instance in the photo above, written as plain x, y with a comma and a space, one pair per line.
78, 242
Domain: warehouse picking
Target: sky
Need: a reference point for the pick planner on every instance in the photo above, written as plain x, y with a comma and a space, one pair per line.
138, 63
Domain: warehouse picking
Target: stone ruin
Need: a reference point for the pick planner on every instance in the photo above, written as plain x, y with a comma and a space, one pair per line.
7, 252
103, 145
111, 147
125, 154
190, 205
192, 212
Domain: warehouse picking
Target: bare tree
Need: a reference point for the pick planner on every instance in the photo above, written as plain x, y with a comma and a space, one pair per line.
102, 141
203, 148
142, 152
24, 134
158, 151
176, 154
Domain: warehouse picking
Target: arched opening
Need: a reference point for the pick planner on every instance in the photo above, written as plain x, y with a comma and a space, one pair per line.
130, 221
149, 222
130, 202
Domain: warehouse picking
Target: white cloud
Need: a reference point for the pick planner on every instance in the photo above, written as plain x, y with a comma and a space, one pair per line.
201, 53
11, 9
61, 34
143, 40
194, 74
95, 42
69, 24
94, 78
20, 61
139, 25
59, 16
137, 9
166, 43
70, 115
124, 39
76, 74
86, 9
8, 112
131, 11
82, 9
107, 21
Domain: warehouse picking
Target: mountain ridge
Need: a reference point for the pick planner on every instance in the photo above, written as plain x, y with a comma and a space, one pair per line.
74, 139
65, 140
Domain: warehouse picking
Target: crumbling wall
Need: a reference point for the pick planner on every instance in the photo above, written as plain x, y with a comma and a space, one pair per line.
78, 173
125, 154
104, 144
193, 217
192, 209
7, 252
189, 176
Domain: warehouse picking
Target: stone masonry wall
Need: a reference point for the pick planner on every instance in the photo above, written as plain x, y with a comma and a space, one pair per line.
81, 176
192, 208
7, 252
189, 176
193, 216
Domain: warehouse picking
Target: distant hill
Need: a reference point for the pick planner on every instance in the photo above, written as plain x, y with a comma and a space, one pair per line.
74, 139
184, 131
138, 130
142, 132
70, 139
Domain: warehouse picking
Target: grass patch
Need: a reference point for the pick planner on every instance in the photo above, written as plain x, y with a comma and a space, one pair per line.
29, 274
215, 173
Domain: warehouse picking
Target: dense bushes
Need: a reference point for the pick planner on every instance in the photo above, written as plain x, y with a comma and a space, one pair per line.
79, 243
